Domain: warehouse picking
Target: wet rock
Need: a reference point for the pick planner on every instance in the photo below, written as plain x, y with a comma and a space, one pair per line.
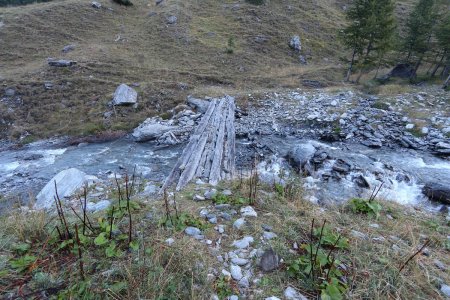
269, 261
361, 181
151, 129
124, 95
67, 182
341, 166
295, 43
291, 294
437, 192
62, 63
373, 143
300, 155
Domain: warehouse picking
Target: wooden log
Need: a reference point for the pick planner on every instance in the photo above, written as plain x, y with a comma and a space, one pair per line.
210, 152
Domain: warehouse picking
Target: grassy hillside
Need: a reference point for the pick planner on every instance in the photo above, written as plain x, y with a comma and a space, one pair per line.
136, 44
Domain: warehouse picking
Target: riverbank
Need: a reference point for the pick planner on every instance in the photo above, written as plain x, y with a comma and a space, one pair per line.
234, 245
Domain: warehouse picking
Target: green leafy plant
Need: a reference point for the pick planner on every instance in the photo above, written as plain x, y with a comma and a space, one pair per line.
223, 287
362, 206
318, 264
23, 263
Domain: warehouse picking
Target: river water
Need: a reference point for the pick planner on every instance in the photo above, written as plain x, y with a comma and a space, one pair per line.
23, 172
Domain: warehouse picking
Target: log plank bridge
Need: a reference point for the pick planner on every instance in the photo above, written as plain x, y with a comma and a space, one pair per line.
210, 153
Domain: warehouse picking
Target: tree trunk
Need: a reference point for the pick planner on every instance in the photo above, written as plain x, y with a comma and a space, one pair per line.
438, 65
446, 83
416, 67
349, 72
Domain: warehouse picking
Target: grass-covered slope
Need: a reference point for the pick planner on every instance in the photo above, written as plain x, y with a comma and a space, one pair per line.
372, 253
136, 44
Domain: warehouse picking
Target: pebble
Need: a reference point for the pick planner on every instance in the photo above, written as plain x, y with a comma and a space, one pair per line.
170, 241
374, 225
233, 297
409, 126
243, 243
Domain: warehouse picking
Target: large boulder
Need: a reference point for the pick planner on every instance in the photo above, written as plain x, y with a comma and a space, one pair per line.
402, 71
300, 155
437, 192
67, 183
124, 95
151, 129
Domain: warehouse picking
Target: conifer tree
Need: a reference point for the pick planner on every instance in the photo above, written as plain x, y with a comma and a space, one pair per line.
419, 27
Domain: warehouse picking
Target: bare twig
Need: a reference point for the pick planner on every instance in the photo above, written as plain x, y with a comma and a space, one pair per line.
111, 223
412, 256
80, 255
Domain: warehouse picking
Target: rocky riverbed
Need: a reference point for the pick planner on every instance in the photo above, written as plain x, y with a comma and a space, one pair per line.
343, 143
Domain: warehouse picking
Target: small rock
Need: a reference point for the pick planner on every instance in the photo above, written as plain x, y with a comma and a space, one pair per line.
248, 211
440, 265
61, 63
291, 294
409, 126
227, 193
68, 48
445, 289
374, 225
199, 198
425, 130
358, 234
266, 227
295, 43
210, 194
239, 261
239, 223
269, 261
334, 103
379, 239
236, 272
269, 235
272, 298
170, 241
243, 243
96, 5
172, 20
192, 231
233, 297
244, 282
10, 92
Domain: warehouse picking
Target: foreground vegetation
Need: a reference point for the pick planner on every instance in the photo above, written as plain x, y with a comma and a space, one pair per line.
366, 249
